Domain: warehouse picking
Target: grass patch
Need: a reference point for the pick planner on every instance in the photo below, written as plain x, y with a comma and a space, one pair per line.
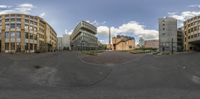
143, 50
92, 53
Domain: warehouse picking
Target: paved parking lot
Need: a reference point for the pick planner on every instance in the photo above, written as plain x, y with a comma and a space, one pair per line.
68, 75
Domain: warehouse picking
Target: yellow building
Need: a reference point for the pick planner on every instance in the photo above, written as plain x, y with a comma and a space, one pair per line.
192, 34
121, 43
26, 33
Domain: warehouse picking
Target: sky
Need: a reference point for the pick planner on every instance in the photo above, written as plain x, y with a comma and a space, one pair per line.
137, 18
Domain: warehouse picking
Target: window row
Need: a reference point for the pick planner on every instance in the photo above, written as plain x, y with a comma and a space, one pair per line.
18, 46
194, 36
12, 34
13, 26
18, 35
194, 29
13, 20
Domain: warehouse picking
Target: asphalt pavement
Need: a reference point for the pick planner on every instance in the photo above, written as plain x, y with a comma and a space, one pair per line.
69, 75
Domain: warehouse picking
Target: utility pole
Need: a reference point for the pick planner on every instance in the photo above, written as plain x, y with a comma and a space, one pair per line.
172, 45
110, 39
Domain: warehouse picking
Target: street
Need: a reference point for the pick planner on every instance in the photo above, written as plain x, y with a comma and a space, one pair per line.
110, 75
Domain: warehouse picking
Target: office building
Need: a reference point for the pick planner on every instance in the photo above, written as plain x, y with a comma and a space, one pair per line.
83, 37
26, 33
167, 34
192, 34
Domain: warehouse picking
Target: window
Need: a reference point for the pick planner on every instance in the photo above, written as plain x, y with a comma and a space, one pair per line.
31, 22
18, 26
18, 34
12, 20
26, 35
18, 20
12, 26
6, 46
7, 20
26, 21
31, 36
27, 16
26, 46
7, 26
163, 33
26, 27
6, 34
35, 23
18, 15
31, 28
12, 34
31, 46
35, 37
163, 29
195, 35
12, 46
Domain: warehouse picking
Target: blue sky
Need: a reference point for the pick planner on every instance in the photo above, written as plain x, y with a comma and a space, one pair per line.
129, 17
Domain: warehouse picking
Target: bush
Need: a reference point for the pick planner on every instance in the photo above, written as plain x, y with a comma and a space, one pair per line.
137, 52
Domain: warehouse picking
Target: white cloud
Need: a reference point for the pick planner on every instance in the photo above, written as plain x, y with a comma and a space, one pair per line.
4, 6
68, 32
24, 8
42, 14
194, 6
132, 27
26, 5
185, 15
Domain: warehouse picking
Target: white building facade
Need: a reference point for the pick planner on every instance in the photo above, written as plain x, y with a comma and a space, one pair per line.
64, 42
167, 34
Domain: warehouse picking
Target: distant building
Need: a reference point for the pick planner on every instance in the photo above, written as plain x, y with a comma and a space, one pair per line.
64, 42
59, 44
167, 34
123, 43
192, 34
141, 42
151, 44
83, 37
